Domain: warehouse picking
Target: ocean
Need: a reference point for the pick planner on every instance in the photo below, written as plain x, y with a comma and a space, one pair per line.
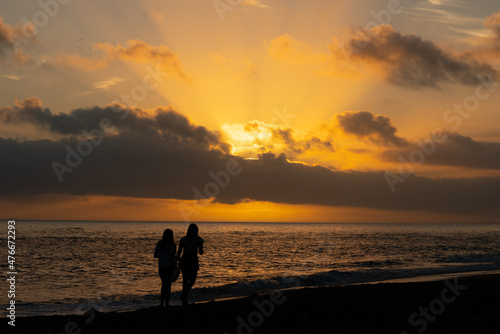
70, 267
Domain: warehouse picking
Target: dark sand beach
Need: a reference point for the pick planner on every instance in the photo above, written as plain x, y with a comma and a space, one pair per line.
463, 305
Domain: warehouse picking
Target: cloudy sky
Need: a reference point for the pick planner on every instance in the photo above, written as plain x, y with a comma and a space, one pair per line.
252, 110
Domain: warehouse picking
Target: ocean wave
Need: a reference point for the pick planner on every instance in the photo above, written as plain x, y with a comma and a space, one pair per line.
332, 278
473, 258
376, 263
246, 288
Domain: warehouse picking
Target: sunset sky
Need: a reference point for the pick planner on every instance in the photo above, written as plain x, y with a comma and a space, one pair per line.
279, 110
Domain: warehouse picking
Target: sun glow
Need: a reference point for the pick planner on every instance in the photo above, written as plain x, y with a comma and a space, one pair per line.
247, 140
243, 134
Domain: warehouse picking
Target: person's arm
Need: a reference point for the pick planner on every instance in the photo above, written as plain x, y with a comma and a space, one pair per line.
180, 250
201, 247
156, 252
172, 254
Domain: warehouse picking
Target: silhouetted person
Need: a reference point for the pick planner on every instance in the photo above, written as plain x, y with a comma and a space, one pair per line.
165, 252
191, 244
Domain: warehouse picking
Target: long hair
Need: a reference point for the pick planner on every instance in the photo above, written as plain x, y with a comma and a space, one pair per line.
167, 239
192, 232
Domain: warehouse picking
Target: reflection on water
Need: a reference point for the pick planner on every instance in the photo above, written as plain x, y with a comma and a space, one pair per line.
73, 262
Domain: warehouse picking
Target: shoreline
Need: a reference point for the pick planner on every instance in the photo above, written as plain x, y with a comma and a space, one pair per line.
441, 277
382, 307
175, 301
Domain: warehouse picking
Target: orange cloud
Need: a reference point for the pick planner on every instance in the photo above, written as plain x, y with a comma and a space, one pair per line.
493, 23
141, 52
134, 51
12, 38
490, 45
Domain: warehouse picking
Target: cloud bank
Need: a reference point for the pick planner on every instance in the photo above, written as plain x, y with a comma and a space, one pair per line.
452, 149
161, 154
166, 122
456, 150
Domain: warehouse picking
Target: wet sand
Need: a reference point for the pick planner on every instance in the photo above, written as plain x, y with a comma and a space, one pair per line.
457, 305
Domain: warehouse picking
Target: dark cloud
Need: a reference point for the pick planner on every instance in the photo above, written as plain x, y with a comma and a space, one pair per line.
294, 146
136, 165
165, 121
276, 180
141, 166
457, 150
367, 125
408, 60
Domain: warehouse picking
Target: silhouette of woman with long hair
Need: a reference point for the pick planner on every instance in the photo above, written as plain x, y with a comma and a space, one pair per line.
165, 252
191, 244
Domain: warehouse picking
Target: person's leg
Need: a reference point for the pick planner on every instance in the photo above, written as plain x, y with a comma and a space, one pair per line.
167, 286
188, 280
162, 302
192, 279
185, 286
163, 278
